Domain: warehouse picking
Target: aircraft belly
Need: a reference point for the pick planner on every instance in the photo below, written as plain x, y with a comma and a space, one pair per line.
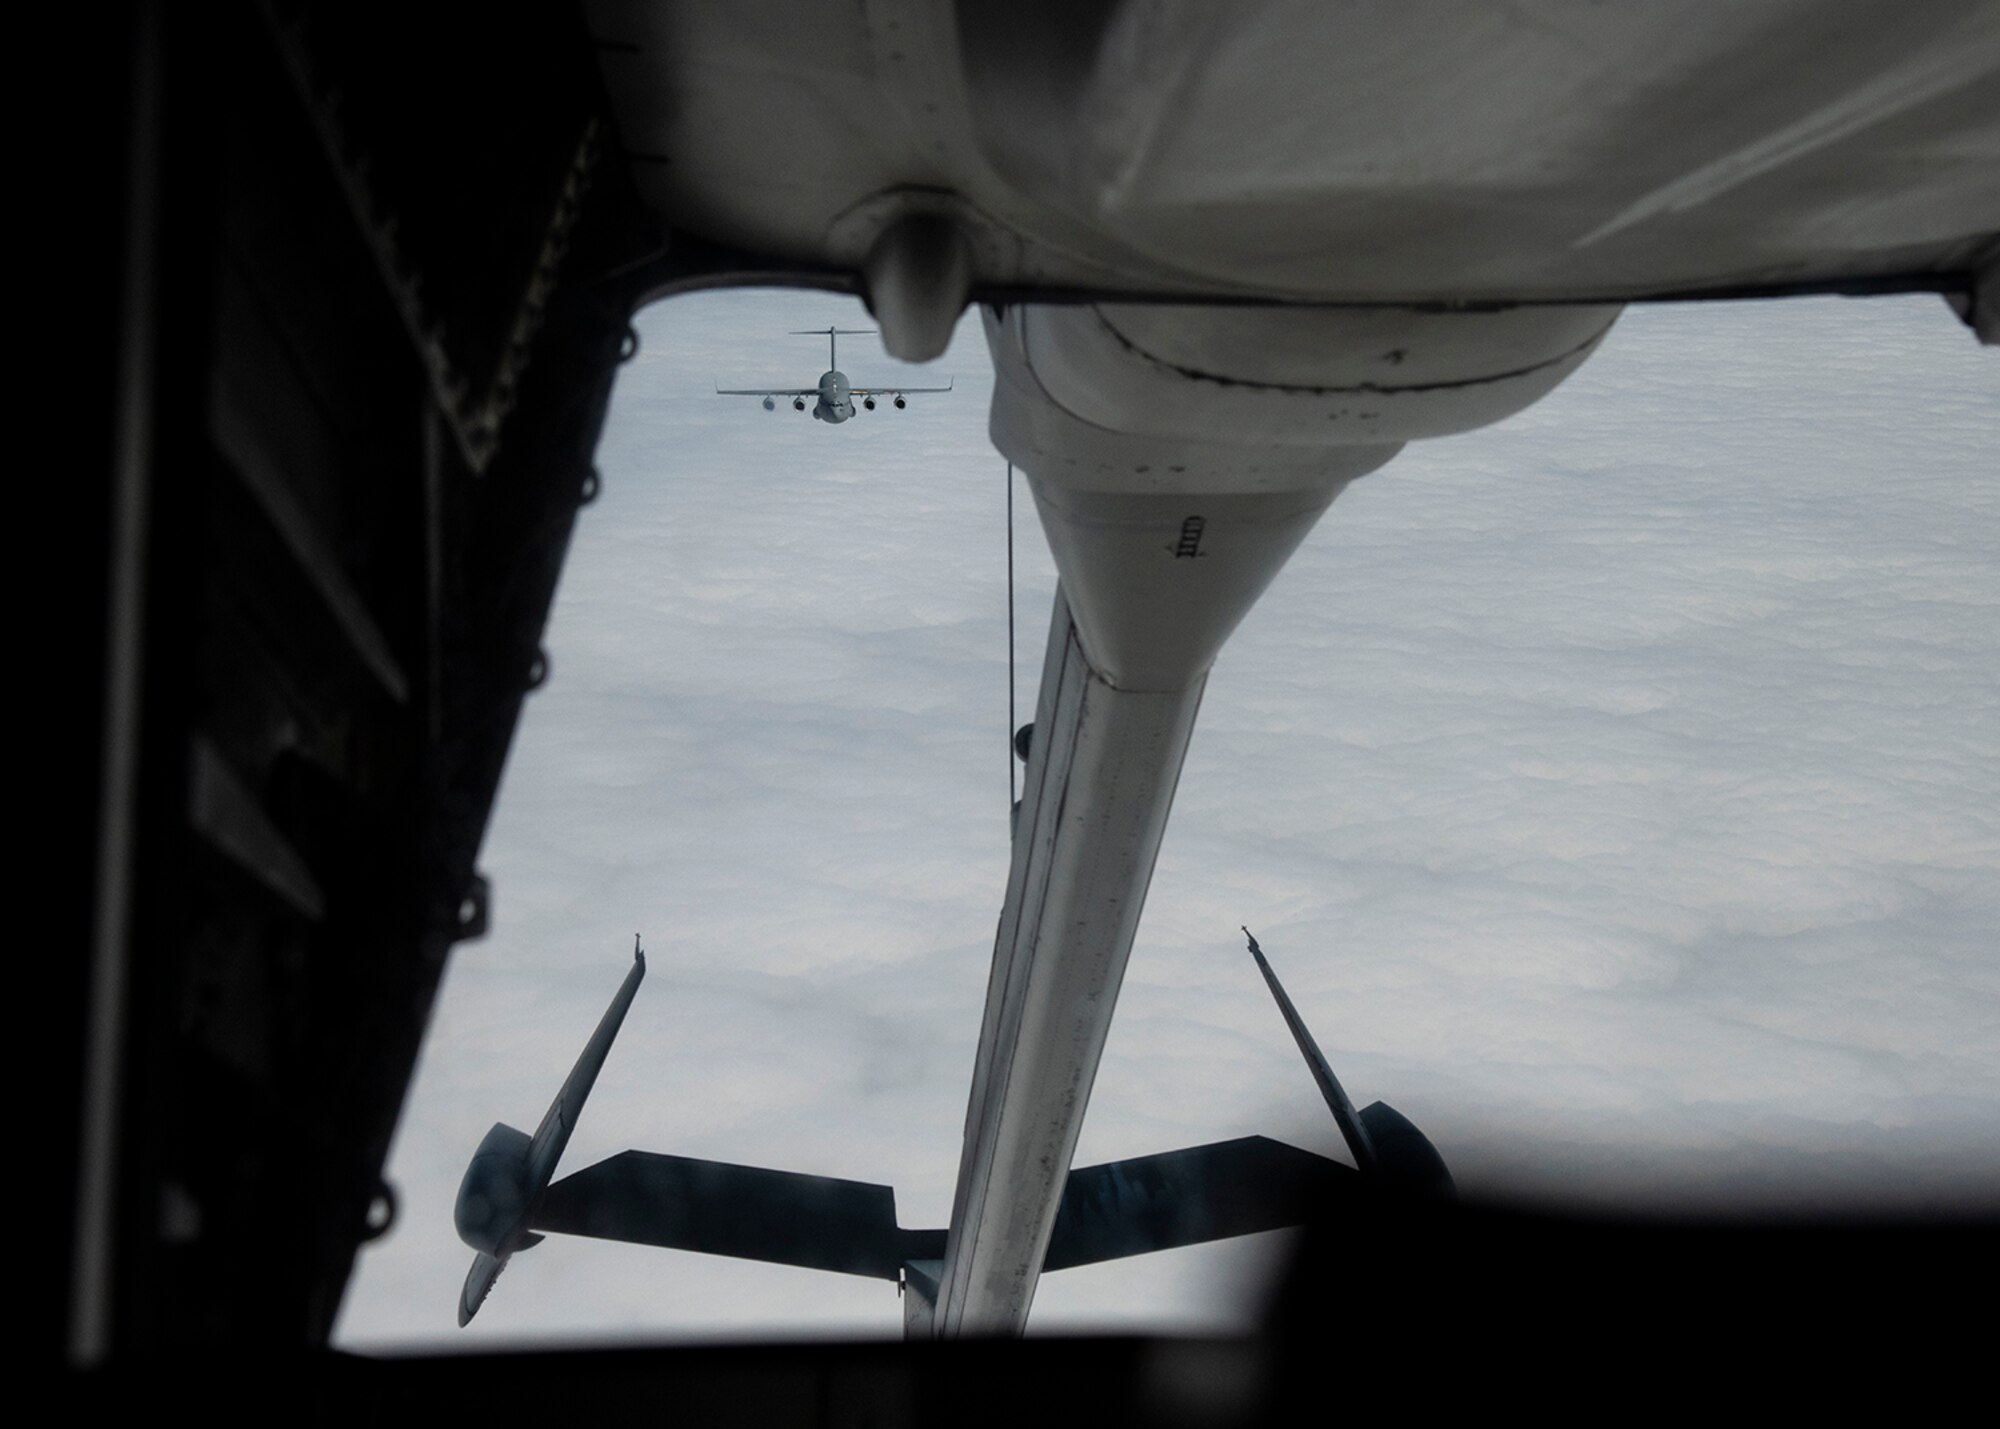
1101, 782
1331, 153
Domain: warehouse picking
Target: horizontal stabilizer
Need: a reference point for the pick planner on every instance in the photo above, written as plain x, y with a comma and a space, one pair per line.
1228, 1188
1149, 1203
819, 1222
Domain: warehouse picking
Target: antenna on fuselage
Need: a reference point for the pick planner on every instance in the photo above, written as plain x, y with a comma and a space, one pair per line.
830, 333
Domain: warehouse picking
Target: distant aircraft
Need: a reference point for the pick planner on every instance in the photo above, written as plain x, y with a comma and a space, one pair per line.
834, 397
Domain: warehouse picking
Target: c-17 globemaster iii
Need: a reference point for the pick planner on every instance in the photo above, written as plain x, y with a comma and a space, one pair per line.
834, 397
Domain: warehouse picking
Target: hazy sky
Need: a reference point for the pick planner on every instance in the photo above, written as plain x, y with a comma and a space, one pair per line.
1617, 790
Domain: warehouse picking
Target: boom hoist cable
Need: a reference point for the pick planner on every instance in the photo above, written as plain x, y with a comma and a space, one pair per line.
1013, 793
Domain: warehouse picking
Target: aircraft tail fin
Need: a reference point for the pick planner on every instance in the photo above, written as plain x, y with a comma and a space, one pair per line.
560, 1119
510, 1171
1385, 1144
831, 334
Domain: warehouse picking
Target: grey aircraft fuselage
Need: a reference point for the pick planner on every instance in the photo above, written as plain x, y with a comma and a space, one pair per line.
836, 398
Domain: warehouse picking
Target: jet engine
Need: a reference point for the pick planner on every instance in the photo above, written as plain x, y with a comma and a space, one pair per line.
798, 404
900, 404
770, 404
869, 403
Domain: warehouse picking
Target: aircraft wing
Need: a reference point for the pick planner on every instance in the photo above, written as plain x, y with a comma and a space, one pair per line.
898, 391
767, 391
